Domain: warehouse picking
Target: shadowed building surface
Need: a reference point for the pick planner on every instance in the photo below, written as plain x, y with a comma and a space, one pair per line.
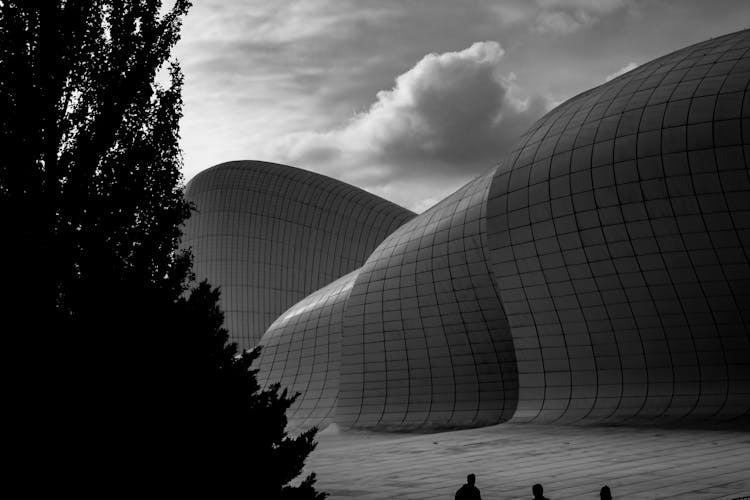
619, 232
426, 342
270, 234
598, 273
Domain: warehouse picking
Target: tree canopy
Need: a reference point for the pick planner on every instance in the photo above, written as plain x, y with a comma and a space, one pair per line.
93, 173
121, 355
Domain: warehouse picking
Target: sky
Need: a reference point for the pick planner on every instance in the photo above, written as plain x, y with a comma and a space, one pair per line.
408, 99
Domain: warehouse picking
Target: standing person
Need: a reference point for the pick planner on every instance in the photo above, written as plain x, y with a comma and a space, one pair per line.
605, 493
538, 492
469, 491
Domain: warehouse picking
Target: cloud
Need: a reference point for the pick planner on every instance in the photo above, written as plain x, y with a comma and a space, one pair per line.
630, 66
264, 80
447, 119
568, 16
278, 22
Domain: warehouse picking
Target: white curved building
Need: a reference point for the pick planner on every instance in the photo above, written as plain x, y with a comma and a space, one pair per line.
599, 273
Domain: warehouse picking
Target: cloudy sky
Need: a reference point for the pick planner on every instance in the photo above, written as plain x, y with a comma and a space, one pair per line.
408, 99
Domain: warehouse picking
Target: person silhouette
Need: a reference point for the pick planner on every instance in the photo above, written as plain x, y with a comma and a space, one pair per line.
469, 491
605, 493
538, 492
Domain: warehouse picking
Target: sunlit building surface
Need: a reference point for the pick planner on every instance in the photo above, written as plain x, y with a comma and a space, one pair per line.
270, 234
599, 273
302, 351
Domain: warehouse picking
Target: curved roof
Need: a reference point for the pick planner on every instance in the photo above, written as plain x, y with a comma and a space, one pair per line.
270, 234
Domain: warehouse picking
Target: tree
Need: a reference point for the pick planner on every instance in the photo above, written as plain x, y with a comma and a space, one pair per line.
91, 176
92, 204
222, 380
94, 168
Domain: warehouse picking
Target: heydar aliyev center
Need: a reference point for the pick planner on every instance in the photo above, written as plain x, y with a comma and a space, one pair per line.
598, 273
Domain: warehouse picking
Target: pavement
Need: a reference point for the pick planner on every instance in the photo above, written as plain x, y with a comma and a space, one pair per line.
569, 461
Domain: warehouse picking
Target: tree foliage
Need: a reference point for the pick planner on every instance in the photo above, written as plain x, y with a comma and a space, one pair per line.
130, 366
221, 376
94, 169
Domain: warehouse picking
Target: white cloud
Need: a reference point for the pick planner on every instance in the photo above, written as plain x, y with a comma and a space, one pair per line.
262, 75
630, 66
559, 17
568, 16
446, 120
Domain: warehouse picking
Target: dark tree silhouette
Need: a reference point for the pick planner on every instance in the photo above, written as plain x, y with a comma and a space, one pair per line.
130, 366
270, 459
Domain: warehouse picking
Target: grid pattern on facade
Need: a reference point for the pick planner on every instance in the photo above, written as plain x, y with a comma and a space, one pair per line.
301, 350
619, 231
425, 340
598, 273
270, 234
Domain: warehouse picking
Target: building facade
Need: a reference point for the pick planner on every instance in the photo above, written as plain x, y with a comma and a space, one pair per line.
425, 339
270, 234
619, 232
302, 351
599, 273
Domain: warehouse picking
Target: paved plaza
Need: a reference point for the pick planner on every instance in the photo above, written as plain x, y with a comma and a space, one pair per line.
569, 461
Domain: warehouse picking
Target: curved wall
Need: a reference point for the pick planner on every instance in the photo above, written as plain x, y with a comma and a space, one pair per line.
302, 351
599, 273
425, 341
619, 230
270, 234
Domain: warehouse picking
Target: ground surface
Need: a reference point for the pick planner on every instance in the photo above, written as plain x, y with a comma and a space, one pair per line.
570, 462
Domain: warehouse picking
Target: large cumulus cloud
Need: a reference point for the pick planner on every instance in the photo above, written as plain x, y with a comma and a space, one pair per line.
447, 119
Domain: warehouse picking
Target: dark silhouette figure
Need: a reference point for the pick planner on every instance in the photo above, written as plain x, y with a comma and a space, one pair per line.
469, 491
538, 492
605, 493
